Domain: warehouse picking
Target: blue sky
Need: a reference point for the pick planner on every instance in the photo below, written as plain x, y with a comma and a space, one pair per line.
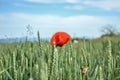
79, 18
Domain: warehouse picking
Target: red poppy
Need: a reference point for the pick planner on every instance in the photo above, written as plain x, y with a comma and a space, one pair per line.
60, 38
84, 71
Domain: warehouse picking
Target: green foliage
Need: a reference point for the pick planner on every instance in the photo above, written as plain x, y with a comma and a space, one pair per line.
40, 61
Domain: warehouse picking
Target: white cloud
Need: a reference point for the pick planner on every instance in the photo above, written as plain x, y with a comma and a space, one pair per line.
74, 7
46, 1
85, 25
54, 1
72, 1
104, 4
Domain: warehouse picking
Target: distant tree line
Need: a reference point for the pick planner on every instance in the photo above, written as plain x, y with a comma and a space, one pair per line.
109, 31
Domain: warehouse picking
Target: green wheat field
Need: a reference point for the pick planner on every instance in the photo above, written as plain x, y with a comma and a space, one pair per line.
41, 61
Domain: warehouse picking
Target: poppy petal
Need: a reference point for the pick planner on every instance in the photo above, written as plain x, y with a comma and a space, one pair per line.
60, 38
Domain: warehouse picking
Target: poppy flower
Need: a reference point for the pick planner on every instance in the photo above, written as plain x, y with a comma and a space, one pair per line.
84, 71
60, 38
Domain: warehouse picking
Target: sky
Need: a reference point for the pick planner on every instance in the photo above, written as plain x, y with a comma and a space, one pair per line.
79, 18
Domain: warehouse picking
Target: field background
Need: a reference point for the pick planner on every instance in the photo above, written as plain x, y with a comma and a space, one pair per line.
26, 27
40, 61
